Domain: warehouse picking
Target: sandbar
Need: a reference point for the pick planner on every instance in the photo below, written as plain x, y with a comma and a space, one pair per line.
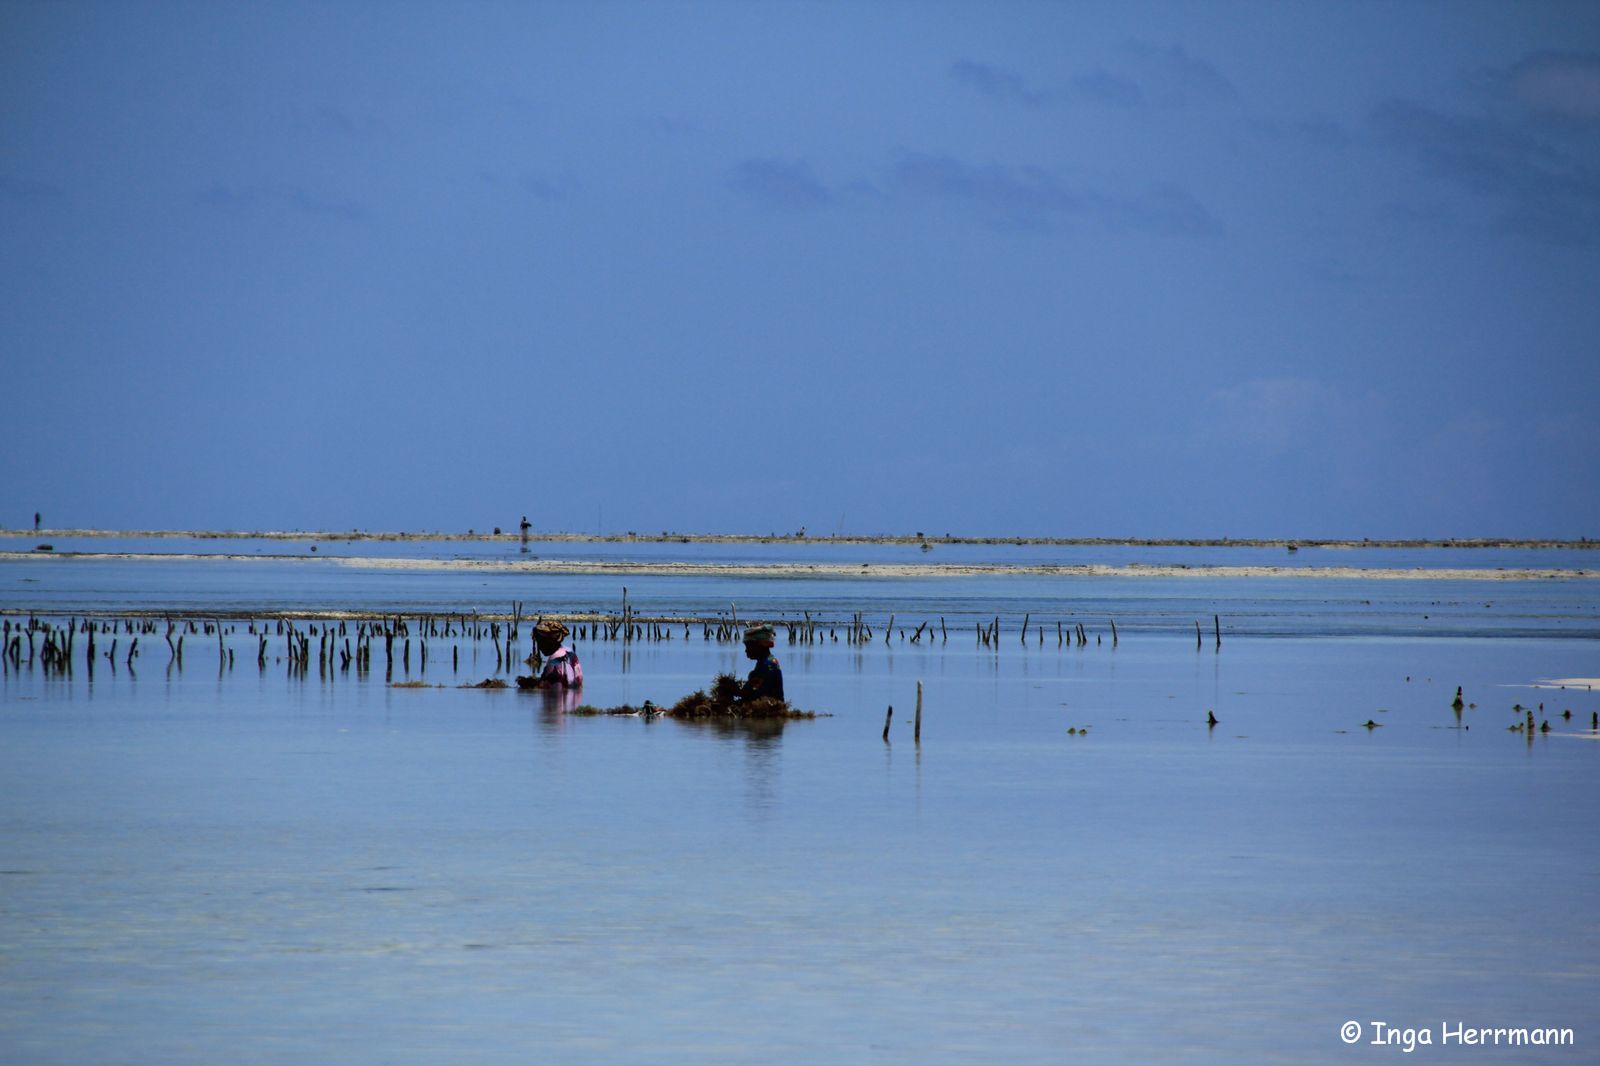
836, 570
914, 539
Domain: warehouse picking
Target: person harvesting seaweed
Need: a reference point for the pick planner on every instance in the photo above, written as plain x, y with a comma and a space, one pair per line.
766, 677
561, 668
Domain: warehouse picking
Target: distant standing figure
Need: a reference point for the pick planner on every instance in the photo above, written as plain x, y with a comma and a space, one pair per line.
36, 521
561, 669
766, 678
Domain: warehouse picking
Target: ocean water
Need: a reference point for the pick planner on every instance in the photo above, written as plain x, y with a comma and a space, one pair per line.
205, 864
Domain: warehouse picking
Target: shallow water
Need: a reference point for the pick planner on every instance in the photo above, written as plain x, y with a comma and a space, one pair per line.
1257, 606
829, 553
203, 860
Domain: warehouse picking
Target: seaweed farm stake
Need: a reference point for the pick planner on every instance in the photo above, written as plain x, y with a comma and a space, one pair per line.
886, 720
916, 730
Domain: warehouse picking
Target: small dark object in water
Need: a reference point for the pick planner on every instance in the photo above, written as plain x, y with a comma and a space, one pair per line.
1370, 724
489, 682
1567, 714
44, 547
1458, 704
1211, 718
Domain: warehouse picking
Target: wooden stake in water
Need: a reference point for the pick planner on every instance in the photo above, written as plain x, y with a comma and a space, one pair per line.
916, 730
886, 720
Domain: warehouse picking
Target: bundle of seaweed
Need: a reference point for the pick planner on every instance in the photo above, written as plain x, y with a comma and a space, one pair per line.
626, 710
721, 704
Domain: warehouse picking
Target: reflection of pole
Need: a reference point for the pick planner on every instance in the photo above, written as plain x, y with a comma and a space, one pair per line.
916, 730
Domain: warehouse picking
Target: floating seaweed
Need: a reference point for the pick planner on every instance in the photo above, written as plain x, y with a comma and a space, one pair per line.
721, 704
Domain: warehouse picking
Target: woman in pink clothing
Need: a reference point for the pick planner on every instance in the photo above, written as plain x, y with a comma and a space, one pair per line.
561, 669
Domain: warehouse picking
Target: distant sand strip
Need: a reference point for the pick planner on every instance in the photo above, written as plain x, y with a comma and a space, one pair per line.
334, 536
830, 570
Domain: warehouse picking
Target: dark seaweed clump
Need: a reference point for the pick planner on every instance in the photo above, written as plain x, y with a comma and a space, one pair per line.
719, 704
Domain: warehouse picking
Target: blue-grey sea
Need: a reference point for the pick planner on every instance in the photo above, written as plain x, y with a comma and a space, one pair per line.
233, 863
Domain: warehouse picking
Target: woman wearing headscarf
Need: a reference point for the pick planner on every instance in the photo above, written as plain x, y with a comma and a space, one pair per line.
766, 678
561, 669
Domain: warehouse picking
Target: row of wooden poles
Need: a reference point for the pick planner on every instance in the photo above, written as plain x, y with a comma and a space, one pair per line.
343, 644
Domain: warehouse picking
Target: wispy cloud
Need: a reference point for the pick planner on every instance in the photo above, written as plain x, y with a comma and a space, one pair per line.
1283, 414
997, 83
782, 184
1141, 75
1318, 130
246, 199
1171, 77
341, 123
27, 191
1164, 208
1543, 190
1103, 87
1565, 85
1022, 196
550, 189
1032, 198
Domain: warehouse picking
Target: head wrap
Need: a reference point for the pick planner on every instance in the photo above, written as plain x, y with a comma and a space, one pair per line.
762, 634
551, 629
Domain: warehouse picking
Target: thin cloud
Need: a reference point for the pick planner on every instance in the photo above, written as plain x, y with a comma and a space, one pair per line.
1318, 130
549, 189
340, 123
1565, 85
1031, 198
1171, 77
1142, 75
1164, 209
27, 191
997, 83
1283, 414
1103, 87
781, 184
246, 199
1021, 197
1542, 190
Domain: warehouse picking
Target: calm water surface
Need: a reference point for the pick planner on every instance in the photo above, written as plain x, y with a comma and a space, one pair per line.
206, 865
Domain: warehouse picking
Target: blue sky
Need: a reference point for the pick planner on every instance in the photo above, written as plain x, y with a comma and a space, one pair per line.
1193, 269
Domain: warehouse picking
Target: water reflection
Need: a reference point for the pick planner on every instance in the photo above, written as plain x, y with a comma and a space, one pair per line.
762, 733
761, 737
555, 706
